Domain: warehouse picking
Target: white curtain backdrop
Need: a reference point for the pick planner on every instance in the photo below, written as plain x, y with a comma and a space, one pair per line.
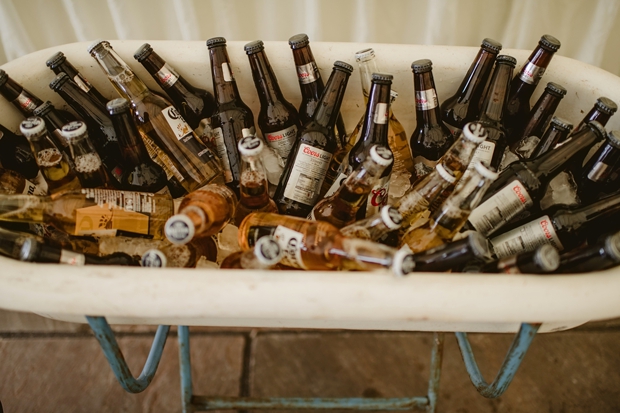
588, 29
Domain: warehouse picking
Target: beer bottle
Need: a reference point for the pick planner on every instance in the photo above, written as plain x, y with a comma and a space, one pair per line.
158, 121
52, 163
523, 85
278, 120
58, 63
202, 213
266, 254
603, 109
254, 187
600, 256
462, 155
453, 256
15, 154
448, 220
539, 116
310, 83
54, 121
86, 160
12, 182
431, 138
544, 259
141, 173
463, 107
523, 183
556, 133
596, 173
98, 212
341, 208
307, 165
375, 227
168, 256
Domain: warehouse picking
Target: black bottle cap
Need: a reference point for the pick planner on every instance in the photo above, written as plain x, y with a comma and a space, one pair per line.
556, 88
596, 126
549, 42
43, 109
561, 123
3, 77
59, 80
216, 41
343, 66
55, 60
143, 52
421, 66
254, 47
382, 77
504, 58
613, 137
298, 41
118, 105
491, 45
603, 104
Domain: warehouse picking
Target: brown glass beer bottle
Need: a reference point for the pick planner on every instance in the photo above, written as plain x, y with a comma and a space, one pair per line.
556, 133
58, 63
602, 110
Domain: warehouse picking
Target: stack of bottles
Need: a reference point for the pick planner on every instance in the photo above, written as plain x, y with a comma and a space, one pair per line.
486, 181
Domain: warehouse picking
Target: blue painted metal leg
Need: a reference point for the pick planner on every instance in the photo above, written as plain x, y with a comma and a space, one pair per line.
112, 352
186, 370
433, 381
509, 367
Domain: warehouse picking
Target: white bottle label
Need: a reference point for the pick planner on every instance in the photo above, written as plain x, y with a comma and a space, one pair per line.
176, 122
337, 184
598, 172
291, 241
501, 208
282, 141
222, 153
308, 73
526, 238
82, 83
381, 113
531, 74
484, 154
227, 73
307, 174
25, 102
167, 76
426, 99
71, 258
378, 196
30, 188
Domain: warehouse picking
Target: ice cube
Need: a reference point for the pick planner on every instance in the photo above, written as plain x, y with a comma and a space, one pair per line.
507, 159
527, 146
227, 242
561, 190
399, 185
274, 165
203, 262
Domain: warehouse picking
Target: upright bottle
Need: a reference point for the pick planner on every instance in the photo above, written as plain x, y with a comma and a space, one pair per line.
453, 256
523, 183
600, 256
307, 165
52, 163
54, 121
278, 120
266, 254
542, 260
12, 182
159, 120
310, 83
15, 154
375, 227
596, 173
58, 63
86, 160
602, 110
431, 138
556, 133
463, 106
523, 85
253, 181
196, 105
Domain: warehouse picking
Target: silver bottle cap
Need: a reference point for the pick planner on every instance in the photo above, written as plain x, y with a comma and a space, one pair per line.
475, 132
391, 217
364, 55
268, 251
382, 155
32, 127
403, 263
484, 171
179, 229
154, 258
73, 129
443, 172
251, 145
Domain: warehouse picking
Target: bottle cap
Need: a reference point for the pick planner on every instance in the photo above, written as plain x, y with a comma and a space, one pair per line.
612, 246
250, 145
488, 173
443, 172
479, 245
491, 45
613, 137
143, 52
268, 251
421, 66
556, 88
118, 105
606, 105
391, 217
55, 60
403, 263
216, 41
596, 126
343, 66
547, 258
549, 42
504, 58
561, 123
43, 109
73, 129
393, 95
382, 78
95, 45
59, 80
364, 55
298, 41
254, 47
3, 77
179, 229
475, 132
382, 155
154, 258
32, 127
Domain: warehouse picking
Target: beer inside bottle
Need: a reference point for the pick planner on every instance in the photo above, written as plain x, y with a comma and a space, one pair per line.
88, 165
15, 154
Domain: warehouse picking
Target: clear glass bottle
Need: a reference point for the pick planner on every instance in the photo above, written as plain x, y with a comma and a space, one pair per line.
266, 254
375, 227
86, 160
543, 260
12, 182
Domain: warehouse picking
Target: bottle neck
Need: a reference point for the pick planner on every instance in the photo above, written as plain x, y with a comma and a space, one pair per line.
367, 68
21, 98
224, 84
492, 109
533, 70
249, 261
308, 74
84, 104
472, 86
129, 139
426, 102
264, 79
605, 207
199, 219
376, 118
600, 166
163, 73
328, 107
24, 208
120, 74
254, 188
81, 146
594, 114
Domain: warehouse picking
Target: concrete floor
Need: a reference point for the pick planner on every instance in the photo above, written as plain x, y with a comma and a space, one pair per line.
50, 366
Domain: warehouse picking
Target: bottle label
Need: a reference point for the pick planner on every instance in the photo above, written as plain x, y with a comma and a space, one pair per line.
378, 196
599, 172
227, 73
176, 122
501, 208
25, 102
291, 241
222, 153
381, 113
426, 99
167, 76
282, 141
114, 210
531, 74
30, 188
308, 73
82, 83
484, 154
337, 184
307, 174
526, 238
71, 258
